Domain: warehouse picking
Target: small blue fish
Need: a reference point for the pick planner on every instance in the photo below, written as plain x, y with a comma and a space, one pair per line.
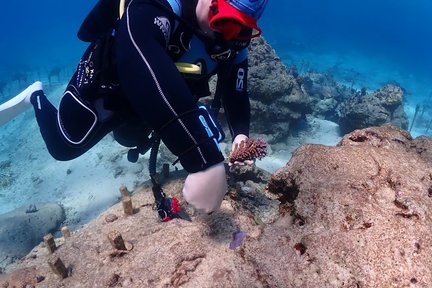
238, 238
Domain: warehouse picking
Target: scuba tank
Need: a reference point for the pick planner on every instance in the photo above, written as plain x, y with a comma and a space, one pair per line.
102, 18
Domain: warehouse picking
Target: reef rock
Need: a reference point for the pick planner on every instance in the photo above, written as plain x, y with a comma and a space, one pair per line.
24, 228
354, 215
202, 253
361, 212
385, 106
277, 99
326, 94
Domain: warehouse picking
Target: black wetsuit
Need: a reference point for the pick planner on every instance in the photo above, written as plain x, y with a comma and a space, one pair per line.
148, 41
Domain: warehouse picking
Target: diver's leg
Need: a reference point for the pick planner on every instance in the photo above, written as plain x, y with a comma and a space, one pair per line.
46, 116
57, 144
18, 104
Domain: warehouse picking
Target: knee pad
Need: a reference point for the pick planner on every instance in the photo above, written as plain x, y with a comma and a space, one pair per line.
77, 119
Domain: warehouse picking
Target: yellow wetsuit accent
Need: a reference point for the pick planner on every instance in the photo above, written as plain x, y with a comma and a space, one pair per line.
188, 68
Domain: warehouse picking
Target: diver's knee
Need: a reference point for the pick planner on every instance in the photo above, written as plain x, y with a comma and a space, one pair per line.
62, 154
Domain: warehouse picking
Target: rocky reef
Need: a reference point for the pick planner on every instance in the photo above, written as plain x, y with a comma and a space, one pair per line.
384, 106
361, 211
277, 99
353, 215
281, 98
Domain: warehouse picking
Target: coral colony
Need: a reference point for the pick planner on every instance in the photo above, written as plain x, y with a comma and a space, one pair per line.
248, 149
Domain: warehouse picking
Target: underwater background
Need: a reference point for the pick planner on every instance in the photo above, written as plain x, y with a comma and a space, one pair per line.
379, 41
363, 44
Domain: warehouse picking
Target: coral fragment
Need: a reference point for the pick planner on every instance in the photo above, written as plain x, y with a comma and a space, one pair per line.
249, 149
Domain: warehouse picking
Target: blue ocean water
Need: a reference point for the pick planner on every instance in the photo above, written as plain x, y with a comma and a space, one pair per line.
377, 41
40, 32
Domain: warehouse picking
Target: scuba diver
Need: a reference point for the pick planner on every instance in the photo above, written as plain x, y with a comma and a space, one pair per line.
164, 53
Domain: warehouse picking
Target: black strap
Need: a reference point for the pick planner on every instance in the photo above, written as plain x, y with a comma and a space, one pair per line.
158, 193
216, 104
153, 154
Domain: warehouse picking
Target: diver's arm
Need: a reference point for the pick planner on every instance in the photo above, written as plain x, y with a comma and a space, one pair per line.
156, 91
235, 98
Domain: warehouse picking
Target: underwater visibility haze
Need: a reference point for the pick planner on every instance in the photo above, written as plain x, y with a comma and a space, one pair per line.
362, 44
388, 38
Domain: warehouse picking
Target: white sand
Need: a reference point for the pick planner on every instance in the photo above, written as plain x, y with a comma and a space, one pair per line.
318, 132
